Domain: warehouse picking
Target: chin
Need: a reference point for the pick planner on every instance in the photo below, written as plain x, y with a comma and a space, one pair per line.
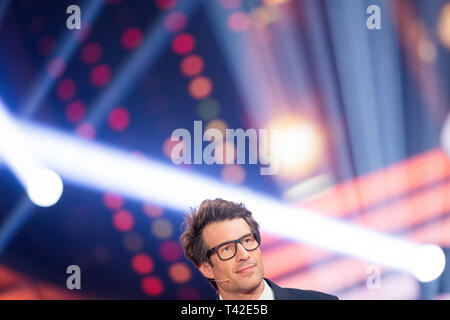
253, 281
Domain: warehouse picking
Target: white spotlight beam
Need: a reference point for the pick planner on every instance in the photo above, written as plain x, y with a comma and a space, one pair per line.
104, 168
43, 186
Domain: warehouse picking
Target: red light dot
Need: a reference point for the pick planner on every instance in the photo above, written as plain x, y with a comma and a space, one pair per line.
66, 89
238, 21
175, 21
192, 65
46, 46
56, 67
170, 251
112, 201
152, 286
200, 87
86, 130
118, 119
123, 220
91, 53
142, 263
75, 111
183, 43
166, 4
131, 38
100, 75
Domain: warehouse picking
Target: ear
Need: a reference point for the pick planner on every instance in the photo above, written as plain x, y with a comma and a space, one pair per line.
206, 270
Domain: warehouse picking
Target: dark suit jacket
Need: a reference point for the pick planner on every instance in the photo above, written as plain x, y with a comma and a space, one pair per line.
298, 294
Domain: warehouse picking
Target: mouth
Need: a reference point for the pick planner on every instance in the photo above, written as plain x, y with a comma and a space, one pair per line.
247, 269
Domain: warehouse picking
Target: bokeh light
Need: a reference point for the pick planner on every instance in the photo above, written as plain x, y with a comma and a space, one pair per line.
192, 65
208, 108
75, 111
118, 119
44, 187
175, 21
113, 201
131, 38
300, 145
66, 89
142, 263
200, 87
161, 228
132, 241
91, 53
152, 210
100, 75
170, 250
166, 4
179, 272
183, 43
233, 173
123, 220
86, 130
152, 286
218, 124
168, 145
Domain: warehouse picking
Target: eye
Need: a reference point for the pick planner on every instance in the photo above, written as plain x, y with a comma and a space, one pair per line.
226, 248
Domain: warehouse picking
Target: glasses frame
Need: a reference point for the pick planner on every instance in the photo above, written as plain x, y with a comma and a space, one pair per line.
216, 248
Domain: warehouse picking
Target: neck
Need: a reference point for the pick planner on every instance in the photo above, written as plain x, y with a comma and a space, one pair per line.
250, 295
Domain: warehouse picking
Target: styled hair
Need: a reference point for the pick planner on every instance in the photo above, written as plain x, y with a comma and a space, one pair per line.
210, 211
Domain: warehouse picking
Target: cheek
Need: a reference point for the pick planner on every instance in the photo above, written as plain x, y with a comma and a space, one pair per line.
225, 268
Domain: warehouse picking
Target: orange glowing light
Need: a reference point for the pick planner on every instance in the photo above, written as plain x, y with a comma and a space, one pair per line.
299, 144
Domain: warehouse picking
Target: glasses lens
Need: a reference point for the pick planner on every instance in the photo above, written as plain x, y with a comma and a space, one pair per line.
226, 251
249, 242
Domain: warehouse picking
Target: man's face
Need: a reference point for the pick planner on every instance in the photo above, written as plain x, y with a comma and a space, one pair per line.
245, 270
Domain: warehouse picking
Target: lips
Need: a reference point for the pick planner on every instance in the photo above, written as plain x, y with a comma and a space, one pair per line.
246, 268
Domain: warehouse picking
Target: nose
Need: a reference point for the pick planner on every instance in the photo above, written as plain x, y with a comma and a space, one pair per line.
241, 252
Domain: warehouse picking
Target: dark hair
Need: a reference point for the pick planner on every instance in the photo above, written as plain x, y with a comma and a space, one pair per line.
210, 211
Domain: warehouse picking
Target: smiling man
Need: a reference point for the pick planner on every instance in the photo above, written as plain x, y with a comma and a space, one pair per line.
222, 239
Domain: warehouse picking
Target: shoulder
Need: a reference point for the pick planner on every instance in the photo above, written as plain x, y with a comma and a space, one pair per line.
308, 294
298, 294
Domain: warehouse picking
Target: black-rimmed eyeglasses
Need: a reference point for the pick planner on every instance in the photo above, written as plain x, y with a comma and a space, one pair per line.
227, 250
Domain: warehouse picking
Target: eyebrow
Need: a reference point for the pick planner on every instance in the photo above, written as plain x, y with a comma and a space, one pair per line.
247, 234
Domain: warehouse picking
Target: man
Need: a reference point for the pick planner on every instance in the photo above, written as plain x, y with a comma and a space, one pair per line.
222, 239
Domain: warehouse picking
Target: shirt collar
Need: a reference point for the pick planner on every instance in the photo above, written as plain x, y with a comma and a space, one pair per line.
267, 293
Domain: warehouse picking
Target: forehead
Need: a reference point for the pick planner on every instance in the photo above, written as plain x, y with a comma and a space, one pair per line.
218, 232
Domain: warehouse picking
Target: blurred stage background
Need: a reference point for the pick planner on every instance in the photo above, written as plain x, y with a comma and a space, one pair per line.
365, 139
